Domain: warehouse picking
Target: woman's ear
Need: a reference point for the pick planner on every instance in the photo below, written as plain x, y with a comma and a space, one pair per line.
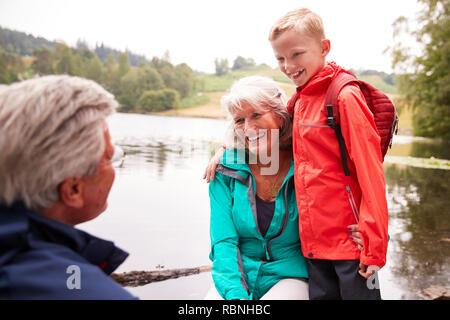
71, 192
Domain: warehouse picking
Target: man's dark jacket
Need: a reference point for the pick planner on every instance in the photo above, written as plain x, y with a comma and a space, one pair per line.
41, 258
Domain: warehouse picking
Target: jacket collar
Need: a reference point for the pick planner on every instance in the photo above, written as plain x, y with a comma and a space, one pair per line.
322, 79
235, 159
21, 229
241, 172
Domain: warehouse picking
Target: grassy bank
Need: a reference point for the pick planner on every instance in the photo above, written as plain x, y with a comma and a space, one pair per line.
208, 107
213, 83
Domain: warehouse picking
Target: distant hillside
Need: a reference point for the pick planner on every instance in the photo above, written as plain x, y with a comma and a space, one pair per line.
381, 80
103, 51
212, 87
17, 42
378, 82
212, 82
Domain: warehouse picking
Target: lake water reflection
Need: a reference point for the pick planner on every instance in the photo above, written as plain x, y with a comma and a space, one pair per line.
159, 206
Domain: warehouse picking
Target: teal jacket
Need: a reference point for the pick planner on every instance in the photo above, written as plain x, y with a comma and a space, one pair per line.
246, 264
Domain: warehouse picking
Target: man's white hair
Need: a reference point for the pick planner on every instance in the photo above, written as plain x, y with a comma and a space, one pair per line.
51, 128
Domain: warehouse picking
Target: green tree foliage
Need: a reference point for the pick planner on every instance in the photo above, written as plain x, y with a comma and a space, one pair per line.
167, 72
241, 62
65, 63
181, 77
425, 79
95, 70
124, 74
159, 100
111, 82
185, 79
10, 67
135, 82
43, 62
222, 67
124, 64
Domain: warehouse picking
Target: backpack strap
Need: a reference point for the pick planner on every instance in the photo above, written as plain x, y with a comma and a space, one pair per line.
332, 111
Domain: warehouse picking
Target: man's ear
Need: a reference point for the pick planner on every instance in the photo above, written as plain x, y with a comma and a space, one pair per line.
71, 192
326, 46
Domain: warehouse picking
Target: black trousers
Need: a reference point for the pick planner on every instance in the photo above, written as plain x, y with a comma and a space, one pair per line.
340, 280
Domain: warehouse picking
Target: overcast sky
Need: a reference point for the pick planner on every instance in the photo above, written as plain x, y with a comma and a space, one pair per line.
198, 31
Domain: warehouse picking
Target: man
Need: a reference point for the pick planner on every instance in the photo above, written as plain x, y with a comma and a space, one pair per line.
55, 172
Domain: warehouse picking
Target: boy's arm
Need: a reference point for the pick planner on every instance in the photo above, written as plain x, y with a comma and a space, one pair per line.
227, 270
210, 170
363, 145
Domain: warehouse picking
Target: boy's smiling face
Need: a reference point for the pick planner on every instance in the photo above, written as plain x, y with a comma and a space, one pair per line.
299, 55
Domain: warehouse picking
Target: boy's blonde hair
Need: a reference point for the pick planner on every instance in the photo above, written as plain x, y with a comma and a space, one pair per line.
302, 20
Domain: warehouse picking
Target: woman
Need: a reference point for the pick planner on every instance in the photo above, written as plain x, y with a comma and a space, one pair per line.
255, 246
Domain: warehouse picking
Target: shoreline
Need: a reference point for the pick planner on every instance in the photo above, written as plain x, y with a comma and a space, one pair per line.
195, 112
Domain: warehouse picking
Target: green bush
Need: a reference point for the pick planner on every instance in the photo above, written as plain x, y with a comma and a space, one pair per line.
159, 100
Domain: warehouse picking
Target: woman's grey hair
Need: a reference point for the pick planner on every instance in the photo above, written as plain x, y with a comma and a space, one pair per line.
264, 95
51, 128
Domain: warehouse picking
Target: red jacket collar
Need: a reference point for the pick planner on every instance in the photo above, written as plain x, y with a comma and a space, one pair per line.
323, 78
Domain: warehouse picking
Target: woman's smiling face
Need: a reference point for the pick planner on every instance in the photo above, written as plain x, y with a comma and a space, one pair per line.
257, 128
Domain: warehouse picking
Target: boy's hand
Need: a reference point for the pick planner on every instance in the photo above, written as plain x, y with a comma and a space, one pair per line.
353, 233
364, 270
367, 271
210, 170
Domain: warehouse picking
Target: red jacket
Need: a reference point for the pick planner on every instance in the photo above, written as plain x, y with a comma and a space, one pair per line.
328, 200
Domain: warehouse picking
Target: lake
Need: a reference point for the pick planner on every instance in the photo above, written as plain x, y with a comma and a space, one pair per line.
158, 208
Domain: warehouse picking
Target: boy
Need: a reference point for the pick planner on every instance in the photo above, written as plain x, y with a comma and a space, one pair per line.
329, 201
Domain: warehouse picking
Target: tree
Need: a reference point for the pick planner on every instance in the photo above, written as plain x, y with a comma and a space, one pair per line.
150, 79
241, 62
425, 78
111, 82
167, 72
180, 78
110, 61
166, 56
10, 66
95, 69
81, 44
43, 62
124, 64
222, 67
64, 60
185, 78
80, 65
136, 82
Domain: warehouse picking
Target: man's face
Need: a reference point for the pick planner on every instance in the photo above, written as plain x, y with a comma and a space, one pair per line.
299, 56
97, 187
